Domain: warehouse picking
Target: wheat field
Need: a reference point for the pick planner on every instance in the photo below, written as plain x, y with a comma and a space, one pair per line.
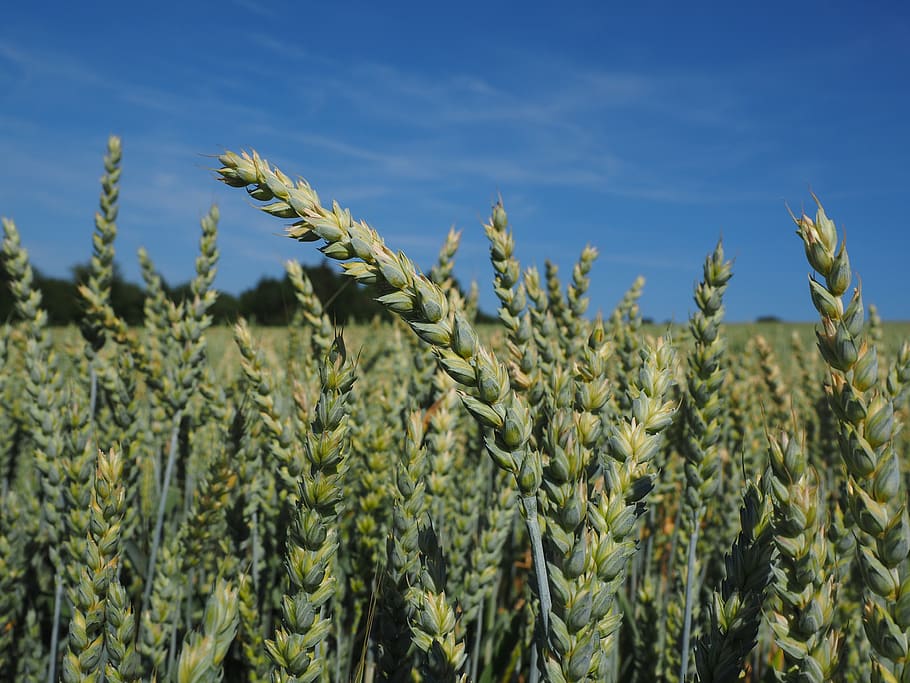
553, 498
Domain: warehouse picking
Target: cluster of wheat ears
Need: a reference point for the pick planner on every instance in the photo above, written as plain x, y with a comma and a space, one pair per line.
553, 498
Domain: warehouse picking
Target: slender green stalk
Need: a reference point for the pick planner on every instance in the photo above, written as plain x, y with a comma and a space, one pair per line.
690, 597
159, 516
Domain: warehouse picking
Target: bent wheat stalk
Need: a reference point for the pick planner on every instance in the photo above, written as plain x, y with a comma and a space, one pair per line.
405, 291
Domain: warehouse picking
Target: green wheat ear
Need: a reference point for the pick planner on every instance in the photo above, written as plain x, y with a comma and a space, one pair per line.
313, 540
96, 290
311, 310
736, 610
44, 386
703, 414
94, 643
424, 306
511, 294
866, 430
803, 575
203, 653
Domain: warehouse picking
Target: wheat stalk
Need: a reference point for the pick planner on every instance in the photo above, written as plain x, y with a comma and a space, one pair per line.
865, 416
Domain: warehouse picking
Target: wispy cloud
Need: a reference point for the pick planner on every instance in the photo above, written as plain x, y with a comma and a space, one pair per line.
40, 64
550, 135
257, 8
492, 135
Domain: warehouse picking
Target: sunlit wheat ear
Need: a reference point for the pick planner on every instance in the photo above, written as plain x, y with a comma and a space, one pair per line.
630, 469
513, 303
313, 539
91, 600
866, 429
803, 577
203, 653
424, 307
435, 624
410, 295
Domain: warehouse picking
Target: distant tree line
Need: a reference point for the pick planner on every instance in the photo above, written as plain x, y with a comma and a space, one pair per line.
270, 302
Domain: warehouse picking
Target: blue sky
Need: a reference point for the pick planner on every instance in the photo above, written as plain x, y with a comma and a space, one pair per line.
647, 131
